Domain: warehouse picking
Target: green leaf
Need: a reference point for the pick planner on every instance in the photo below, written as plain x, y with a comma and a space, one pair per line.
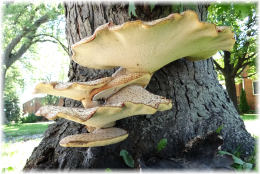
236, 159
108, 170
131, 9
243, 8
128, 159
219, 129
247, 166
12, 153
162, 144
10, 168
152, 5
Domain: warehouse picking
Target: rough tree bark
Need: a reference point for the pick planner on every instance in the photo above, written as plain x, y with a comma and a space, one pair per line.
200, 104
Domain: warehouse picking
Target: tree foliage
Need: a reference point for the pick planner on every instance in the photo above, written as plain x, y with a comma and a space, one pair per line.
242, 19
25, 24
50, 100
14, 81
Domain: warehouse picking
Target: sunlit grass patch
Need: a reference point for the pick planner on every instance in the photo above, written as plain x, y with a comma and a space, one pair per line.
25, 129
24, 138
249, 116
15, 154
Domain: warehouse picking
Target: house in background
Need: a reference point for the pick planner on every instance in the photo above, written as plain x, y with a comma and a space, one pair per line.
251, 88
34, 104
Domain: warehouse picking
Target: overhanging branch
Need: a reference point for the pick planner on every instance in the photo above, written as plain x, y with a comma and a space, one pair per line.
247, 75
218, 66
65, 48
9, 57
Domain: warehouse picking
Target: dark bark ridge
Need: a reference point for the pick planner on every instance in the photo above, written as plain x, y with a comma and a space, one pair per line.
200, 104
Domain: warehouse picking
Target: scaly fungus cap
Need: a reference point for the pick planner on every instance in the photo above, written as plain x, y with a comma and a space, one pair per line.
147, 46
101, 137
90, 92
73, 90
129, 101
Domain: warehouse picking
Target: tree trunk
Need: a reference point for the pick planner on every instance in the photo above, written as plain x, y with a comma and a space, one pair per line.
200, 104
231, 89
230, 78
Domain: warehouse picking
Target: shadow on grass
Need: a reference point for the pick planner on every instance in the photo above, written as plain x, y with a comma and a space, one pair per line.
24, 129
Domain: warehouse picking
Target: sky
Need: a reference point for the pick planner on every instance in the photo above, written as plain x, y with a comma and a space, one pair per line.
51, 63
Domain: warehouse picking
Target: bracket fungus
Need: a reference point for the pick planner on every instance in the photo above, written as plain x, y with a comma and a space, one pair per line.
147, 46
101, 137
129, 101
139, 49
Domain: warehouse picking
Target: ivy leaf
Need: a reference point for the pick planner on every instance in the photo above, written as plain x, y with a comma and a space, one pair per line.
128, 159
10, 168
108, 170
247, 166
219, 129
236, 159
162, 144
152, 5
131, 9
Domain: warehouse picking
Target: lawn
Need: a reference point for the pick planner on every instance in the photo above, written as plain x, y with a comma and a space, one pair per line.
249, 116
25, 129
12, 157
15, 154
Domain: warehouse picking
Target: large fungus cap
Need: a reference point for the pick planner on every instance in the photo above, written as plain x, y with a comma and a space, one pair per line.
147, 46
90, 91
101, 137
129, 101
73, 90
120, 82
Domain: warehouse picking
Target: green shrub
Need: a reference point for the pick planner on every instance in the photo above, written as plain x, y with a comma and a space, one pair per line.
50, 100
251, 112
31, 118
11, 108
243, 105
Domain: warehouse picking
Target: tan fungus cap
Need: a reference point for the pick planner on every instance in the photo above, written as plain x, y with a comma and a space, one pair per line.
73, 90
129, 101
147, 46
101, 137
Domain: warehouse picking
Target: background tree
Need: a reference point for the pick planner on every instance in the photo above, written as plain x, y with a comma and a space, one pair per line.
25, 25
13, 82
242, 19
200, 105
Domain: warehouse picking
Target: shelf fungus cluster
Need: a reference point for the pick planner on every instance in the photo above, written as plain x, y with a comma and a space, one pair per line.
139, 49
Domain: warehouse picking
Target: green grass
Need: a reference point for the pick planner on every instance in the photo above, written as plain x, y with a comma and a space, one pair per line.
15, 154
249, 116
25, 129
